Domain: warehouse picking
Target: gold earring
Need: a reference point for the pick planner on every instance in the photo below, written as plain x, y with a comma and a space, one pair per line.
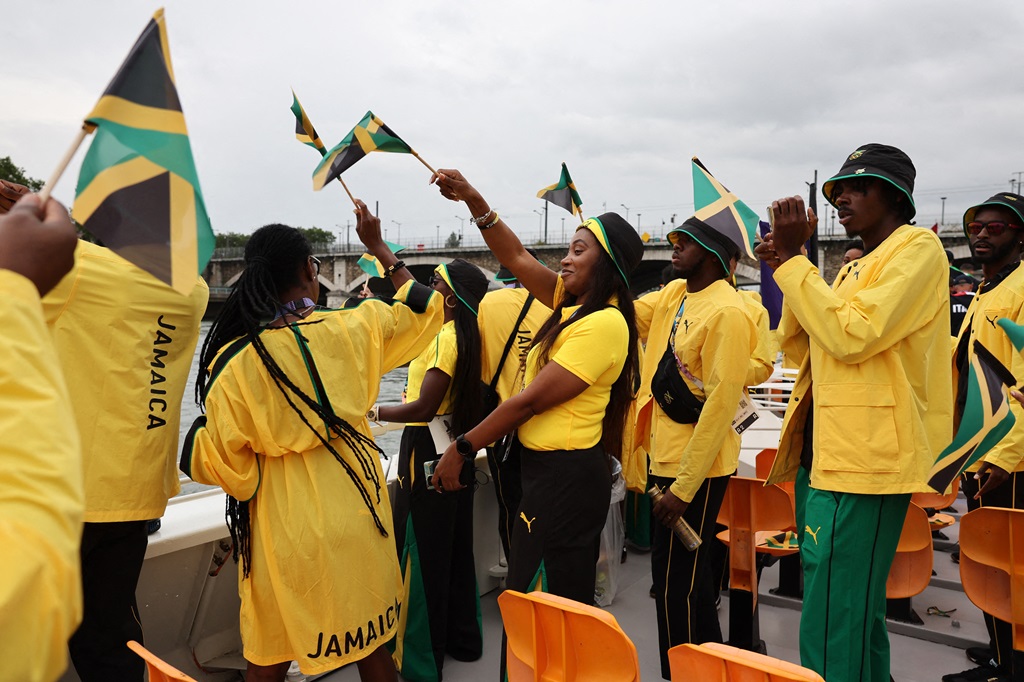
450, 304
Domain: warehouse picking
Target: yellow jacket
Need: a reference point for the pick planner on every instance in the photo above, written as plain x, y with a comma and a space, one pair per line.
41, 498
126, 342
716, 339
325, 587
877, 344
499, 310
987, 306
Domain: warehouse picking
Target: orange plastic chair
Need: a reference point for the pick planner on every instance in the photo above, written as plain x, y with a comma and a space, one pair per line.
763, 466
912, 568
728, 664
159, 671
752, 511
992, 564
553, 639
936, 501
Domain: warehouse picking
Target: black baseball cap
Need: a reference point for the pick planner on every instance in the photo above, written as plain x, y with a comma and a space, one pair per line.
877, 161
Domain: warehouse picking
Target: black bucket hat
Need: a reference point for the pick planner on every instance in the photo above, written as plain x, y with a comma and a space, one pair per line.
1014, 202
505, 275
711, 239
877, 161
465, 279
619, 240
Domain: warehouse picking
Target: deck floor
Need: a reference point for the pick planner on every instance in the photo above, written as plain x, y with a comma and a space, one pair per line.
913, 660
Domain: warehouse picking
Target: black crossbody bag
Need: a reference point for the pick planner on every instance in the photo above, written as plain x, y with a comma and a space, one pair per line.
671, 392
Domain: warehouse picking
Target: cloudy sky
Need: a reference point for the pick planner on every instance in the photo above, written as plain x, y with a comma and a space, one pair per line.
623, 92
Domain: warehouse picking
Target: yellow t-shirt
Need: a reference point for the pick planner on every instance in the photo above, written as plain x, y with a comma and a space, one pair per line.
499, 311
126, 342
323, 580
594, 349
41, 496
441, 353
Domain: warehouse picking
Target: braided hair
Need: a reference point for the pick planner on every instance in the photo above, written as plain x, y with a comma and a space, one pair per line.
274, 258
605, 284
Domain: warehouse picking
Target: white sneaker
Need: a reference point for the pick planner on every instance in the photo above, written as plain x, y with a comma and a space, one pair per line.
294, 674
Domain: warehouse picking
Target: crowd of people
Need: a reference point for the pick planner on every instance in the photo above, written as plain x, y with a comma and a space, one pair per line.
553, 375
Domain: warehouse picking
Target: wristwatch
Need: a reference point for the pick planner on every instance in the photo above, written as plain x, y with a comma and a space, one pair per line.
465, 448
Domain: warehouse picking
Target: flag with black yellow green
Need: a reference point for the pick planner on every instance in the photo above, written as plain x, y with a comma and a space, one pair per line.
563, 193
369, 135
986, 418
373, 267
722, 210
304, 131
138, 190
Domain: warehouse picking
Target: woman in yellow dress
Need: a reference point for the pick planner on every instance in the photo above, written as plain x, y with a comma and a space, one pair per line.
286, 388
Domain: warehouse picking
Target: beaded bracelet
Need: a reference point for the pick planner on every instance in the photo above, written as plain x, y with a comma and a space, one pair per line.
396, 266
492, 223
485, 216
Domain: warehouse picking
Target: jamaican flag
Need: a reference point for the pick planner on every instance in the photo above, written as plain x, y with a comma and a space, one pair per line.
986, 418
304, 131
722, 210
371, 265
1014, 331
370, 135
138, 190
563, 193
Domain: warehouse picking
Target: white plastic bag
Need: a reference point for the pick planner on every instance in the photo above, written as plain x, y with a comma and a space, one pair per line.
613, 537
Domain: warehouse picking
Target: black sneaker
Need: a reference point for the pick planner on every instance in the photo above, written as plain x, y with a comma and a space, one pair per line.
984, 673
980, 655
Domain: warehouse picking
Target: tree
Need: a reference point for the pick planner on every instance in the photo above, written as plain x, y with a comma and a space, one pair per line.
453, 241
315, 235
229, 239
13, 173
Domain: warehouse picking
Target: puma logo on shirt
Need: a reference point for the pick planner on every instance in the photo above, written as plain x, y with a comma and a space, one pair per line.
529, 522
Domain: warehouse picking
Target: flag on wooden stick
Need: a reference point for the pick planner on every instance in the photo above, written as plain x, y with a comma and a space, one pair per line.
563, 193
138, 190
369, 135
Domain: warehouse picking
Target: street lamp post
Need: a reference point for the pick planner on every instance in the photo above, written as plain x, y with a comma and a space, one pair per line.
399, 237
638, 221
942, 220
563, 230
462, 225
437, 239
540, 221
627, 211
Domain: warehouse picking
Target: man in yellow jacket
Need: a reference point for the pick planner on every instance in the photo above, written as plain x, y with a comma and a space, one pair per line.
125, 342
995, 229
871, 407
698, 331
41, 497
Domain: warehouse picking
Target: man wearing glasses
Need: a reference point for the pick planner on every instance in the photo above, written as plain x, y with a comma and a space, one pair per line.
995, 228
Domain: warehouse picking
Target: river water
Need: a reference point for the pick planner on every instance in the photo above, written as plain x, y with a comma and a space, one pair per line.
391, 387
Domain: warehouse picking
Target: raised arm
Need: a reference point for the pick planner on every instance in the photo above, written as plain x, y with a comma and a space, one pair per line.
368, 231
501, 240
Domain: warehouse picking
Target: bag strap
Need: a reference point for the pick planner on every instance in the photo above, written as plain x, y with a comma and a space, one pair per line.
511, 338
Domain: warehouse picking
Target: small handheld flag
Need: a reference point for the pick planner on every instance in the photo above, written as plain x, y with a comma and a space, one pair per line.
304, 130
369, 135
1014, 331
138, 190
722, 210
307, 135
563, 193
986, 418
371, 266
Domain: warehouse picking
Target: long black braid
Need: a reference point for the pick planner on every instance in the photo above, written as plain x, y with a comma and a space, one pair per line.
274, 258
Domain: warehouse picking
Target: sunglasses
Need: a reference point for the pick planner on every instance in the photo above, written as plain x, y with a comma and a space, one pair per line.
316, 262
994, 228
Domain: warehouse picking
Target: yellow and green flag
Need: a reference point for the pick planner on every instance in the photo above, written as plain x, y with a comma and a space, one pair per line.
1014, 331
370, 135
304, 130
138, 190
722, 210
986, 418
371, 265
563, 193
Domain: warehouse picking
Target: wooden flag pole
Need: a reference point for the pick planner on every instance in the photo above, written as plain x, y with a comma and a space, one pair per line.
63, 165
422, 161
348, 192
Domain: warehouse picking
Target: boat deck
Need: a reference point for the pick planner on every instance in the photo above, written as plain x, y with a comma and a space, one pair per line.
923, 657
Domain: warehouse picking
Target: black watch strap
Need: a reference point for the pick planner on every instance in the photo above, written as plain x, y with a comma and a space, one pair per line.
464, 447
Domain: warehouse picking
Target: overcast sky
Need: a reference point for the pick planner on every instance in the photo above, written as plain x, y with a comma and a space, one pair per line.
623, 92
